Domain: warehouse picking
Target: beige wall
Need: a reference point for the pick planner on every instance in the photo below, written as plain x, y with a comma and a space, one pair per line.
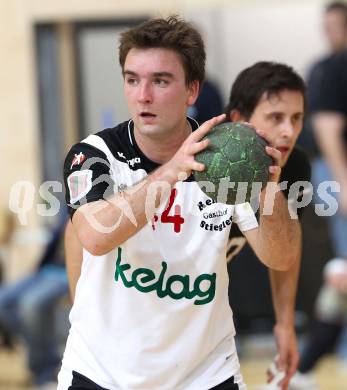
19, 125
19, 119
18, 110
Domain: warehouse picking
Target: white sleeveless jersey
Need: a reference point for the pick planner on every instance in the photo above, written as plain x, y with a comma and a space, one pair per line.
152, 314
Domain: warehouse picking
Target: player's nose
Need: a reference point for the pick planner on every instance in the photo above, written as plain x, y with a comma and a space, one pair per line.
145, 93
288, 130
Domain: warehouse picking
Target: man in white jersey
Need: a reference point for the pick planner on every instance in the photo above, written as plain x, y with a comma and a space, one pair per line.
151, 309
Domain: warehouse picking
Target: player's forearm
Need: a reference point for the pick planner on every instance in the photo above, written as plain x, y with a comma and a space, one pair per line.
284, 289
73, 258
103, 225
279, 235
73, 268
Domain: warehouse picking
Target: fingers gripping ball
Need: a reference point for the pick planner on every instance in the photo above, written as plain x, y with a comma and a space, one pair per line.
236, 164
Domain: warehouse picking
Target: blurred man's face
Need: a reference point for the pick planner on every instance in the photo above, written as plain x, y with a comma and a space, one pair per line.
280, 117
335, 28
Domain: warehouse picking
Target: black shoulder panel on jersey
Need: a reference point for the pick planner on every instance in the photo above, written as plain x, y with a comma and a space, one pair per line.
122, 144
86, 176
118, 141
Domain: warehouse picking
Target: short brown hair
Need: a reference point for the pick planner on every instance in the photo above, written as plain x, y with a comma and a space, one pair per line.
172, 33
263, 77
338, 6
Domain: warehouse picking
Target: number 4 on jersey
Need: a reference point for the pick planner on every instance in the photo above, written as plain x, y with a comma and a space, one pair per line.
177, 220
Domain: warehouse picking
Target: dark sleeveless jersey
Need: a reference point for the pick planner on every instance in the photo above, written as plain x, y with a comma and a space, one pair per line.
297, 169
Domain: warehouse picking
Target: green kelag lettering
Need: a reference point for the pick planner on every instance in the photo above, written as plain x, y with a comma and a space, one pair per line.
149, 275
209, 293
120, 269
141, 276
184, 293
160, 284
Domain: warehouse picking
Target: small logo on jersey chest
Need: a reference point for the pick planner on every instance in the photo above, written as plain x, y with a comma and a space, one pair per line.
132, 161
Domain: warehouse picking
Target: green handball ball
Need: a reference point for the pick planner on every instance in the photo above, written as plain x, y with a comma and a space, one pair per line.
236, 164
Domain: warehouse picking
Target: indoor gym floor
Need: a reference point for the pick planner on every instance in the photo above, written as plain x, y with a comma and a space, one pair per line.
330, 373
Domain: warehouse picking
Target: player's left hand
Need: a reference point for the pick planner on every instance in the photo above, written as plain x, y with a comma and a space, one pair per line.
288, 356
275, 154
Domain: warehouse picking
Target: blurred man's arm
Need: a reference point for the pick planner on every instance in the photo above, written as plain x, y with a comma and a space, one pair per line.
73, 258
329, 128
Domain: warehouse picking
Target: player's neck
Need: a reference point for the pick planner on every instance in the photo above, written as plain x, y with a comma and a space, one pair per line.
161, 148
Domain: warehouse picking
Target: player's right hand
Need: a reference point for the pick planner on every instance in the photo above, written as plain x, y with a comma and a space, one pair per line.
183, 162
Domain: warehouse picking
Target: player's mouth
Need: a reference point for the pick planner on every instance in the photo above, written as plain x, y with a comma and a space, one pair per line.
283, 149
147, 117
147, 114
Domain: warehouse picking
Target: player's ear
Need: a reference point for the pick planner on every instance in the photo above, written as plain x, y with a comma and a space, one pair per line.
236, 116
193, 92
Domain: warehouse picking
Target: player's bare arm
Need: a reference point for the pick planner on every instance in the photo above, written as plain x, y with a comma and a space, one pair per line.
277, 241
134, 207
284, 288
73, 257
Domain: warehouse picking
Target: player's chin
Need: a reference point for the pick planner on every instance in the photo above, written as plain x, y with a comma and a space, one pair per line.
284, 159
285, 153
147, 128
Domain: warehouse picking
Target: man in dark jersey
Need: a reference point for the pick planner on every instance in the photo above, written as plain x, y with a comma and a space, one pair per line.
270, 96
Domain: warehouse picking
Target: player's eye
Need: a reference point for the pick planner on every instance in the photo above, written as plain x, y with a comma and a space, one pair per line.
161, 82
277, 118
131, 80
298, 118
